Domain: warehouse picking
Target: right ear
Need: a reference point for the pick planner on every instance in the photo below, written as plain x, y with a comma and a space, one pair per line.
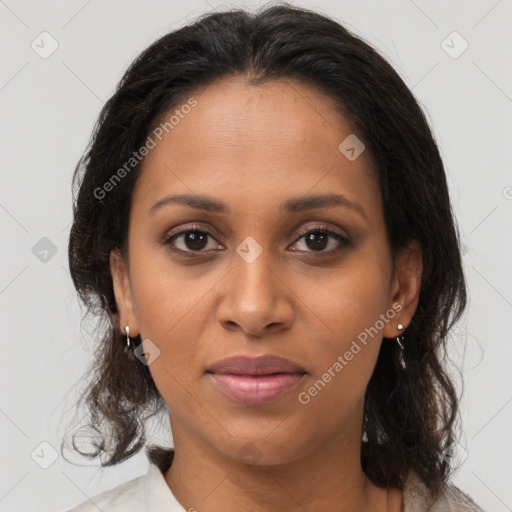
123, 292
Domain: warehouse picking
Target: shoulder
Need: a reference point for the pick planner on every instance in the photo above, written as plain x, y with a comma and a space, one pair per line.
147, 492
127, 497
417, 498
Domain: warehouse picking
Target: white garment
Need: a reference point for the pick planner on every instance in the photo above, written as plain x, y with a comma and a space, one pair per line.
150, 493
147, 493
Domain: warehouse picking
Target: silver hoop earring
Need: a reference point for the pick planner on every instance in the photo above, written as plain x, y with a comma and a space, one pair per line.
128, 341
402, 360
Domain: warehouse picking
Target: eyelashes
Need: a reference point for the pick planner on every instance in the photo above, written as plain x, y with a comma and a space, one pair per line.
194, 241
195, 230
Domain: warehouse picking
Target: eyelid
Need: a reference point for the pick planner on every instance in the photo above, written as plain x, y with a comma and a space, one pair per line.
167, 239
328, 228
324, 227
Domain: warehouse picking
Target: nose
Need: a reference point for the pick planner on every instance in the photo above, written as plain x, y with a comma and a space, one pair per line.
256, 300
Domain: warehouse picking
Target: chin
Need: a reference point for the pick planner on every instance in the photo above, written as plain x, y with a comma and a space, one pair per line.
265, 449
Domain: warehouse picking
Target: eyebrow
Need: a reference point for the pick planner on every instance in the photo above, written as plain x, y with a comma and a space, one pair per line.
294, 205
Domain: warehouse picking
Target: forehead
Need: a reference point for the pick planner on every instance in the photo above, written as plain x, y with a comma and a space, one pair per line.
258, 141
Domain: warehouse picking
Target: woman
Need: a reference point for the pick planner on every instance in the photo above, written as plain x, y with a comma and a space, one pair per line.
264, 223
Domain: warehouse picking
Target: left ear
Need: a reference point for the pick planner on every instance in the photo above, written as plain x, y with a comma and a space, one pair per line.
405, 287
122, 293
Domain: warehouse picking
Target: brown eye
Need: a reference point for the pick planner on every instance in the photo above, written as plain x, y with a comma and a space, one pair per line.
191, 240
318, 239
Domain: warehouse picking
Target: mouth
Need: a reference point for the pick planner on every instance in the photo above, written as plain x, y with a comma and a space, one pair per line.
256, 381
256, 389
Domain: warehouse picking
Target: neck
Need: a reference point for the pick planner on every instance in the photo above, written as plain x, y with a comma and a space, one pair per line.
328, 477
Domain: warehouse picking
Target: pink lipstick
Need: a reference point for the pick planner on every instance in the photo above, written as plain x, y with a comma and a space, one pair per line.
255, 381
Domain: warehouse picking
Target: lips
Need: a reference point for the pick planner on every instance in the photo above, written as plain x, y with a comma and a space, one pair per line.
255, 381
263, 365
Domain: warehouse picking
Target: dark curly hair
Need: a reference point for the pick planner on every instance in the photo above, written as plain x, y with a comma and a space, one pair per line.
410, 416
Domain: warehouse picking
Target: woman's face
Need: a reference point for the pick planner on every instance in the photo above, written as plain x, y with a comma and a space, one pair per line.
250, 158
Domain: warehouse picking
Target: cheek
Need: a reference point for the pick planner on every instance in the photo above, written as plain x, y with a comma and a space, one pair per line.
165, 297
347, 313
350, 301
171, 311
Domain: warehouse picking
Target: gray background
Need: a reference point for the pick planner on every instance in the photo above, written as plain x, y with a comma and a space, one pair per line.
49, 106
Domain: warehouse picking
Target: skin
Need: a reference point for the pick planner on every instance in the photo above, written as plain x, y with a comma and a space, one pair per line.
254, 147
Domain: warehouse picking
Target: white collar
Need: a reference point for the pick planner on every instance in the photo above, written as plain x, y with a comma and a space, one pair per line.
156, 494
